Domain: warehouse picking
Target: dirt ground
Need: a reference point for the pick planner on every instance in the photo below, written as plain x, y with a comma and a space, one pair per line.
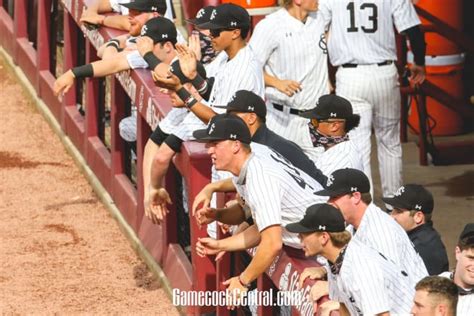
60, 250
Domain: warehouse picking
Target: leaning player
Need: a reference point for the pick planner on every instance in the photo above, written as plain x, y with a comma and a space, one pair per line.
291, 45
273, 191
363, 280
362, 46
237, 69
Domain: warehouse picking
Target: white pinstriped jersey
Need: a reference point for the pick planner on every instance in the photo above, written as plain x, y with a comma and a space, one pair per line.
243, 72
340, 156
368, 283
380, 231
276, 192
361, 31
292, 50
465, 302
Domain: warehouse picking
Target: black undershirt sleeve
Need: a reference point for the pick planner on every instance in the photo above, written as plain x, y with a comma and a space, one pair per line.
417, 44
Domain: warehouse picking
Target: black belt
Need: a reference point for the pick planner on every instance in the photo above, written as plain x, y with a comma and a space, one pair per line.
280, 108
384, 63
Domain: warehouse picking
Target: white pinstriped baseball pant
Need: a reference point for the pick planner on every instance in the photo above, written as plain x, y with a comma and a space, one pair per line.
375, 95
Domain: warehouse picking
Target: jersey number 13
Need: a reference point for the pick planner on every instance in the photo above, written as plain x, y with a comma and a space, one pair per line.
372, 27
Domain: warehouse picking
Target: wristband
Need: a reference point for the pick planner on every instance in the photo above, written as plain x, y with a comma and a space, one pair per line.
151, 60
113, 43
200, 84
187, 98
83, 71
242, 283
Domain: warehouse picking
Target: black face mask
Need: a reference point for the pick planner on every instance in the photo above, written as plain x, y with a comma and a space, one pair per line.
320, 140
207, 52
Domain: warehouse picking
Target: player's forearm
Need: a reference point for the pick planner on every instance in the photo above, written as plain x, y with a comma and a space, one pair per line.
119, 22
269, 247
233, 215
157, 173
110, 66
225, 185
270, 81
417, 44
203, 112
150, 151
249, 238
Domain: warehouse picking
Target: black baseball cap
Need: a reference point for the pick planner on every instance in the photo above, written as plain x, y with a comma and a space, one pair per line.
246, 101
412, 197
176, 70
224, 127
160, 29
147, 6
227, 16
468, 231
330, 106
345, 181
202, 16
319, 218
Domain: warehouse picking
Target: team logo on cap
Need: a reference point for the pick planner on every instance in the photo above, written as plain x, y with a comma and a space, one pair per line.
251, 108
321, 227
417, 207
330, 181
211, 128
154, 9
164, 35
353, 189
233, 23
233, 136
200, 13
333, 114
213, 14
144, 30
400, 191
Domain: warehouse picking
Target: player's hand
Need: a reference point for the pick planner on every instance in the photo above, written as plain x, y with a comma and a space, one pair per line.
187, 61
327, 307
170, 81
202, 199
225, 228
63, 83
158, 204
288, 87
144, 45
236, 290
207, 246
318, 290
91, 18
314, 273
194, 44
418, 74
206, 216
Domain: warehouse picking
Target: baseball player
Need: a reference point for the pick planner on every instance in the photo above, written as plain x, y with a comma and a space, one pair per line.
363, 280
199, 40
92, 17
463, 273
348, 190
291, 45
362, 46
435, 295
413, 209
273, 191
157, 38
331, 121
238, 69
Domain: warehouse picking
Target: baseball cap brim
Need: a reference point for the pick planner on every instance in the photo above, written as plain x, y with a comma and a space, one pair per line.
211, 26
192, 21
298, 228
330, 193
202, 136
309, 114
395, 202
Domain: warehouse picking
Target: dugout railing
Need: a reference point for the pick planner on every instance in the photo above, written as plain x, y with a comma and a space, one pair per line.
44, 38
